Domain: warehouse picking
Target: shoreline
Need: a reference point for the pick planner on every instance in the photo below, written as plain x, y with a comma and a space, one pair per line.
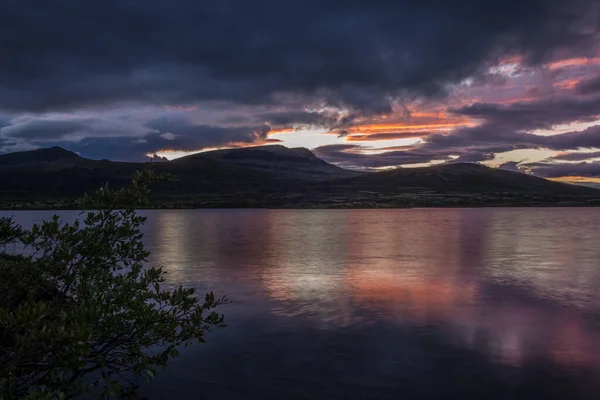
437, 206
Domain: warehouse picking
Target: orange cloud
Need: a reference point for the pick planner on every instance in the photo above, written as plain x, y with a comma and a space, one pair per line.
567, 83
575, 179
281, 130
424, 124
386, 136
255, 143
385, 128
428, 120
570, 62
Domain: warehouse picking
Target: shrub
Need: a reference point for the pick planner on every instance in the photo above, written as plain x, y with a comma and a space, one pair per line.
79, 307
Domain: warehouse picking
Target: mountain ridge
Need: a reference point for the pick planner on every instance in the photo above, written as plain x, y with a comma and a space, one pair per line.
276, 176
278, 158
48, 154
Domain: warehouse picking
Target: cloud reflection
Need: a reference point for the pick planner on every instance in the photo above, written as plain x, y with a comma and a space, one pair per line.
514, 284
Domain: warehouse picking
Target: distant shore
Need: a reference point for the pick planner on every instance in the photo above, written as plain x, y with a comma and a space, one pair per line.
276, 177
400, 202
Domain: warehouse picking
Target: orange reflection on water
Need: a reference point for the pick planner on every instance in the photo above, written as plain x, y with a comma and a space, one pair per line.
422, 300
572, 346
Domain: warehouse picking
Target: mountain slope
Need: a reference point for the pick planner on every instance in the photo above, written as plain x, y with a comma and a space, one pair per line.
275, 176
463, 178
55, 174
48, 155
275, 159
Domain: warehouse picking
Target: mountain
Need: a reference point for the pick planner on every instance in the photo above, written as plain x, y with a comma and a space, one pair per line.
275, 176
40, 156
462, 178
275, 159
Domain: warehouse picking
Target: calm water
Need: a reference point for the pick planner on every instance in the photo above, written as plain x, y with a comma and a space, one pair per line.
378, 304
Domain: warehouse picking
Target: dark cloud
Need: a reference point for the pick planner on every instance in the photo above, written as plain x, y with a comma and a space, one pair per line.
488, 137
496, 139
302, 118
312, 63
173, 135
587, 138
44, 129
539, 114
386, 135
120, 148
352, 157
589, 86
178, 133
577, 156
555, 170
557, 167
122, 139
347, 53
157, 158
4, 121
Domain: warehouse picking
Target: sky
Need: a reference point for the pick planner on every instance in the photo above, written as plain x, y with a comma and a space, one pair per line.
366, 85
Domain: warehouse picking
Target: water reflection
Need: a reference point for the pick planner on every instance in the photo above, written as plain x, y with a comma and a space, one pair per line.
390, 296
526, 280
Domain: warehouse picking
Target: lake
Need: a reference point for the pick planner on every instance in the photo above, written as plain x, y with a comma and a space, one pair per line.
385, 304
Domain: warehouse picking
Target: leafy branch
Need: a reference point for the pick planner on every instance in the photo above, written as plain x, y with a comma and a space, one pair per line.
81, 307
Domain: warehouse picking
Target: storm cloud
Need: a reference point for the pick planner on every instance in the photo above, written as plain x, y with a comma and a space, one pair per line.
549, 170
176, 136
526, 115
43, 129
589, 86
119, 80
354, 54
577, 156
498, 139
